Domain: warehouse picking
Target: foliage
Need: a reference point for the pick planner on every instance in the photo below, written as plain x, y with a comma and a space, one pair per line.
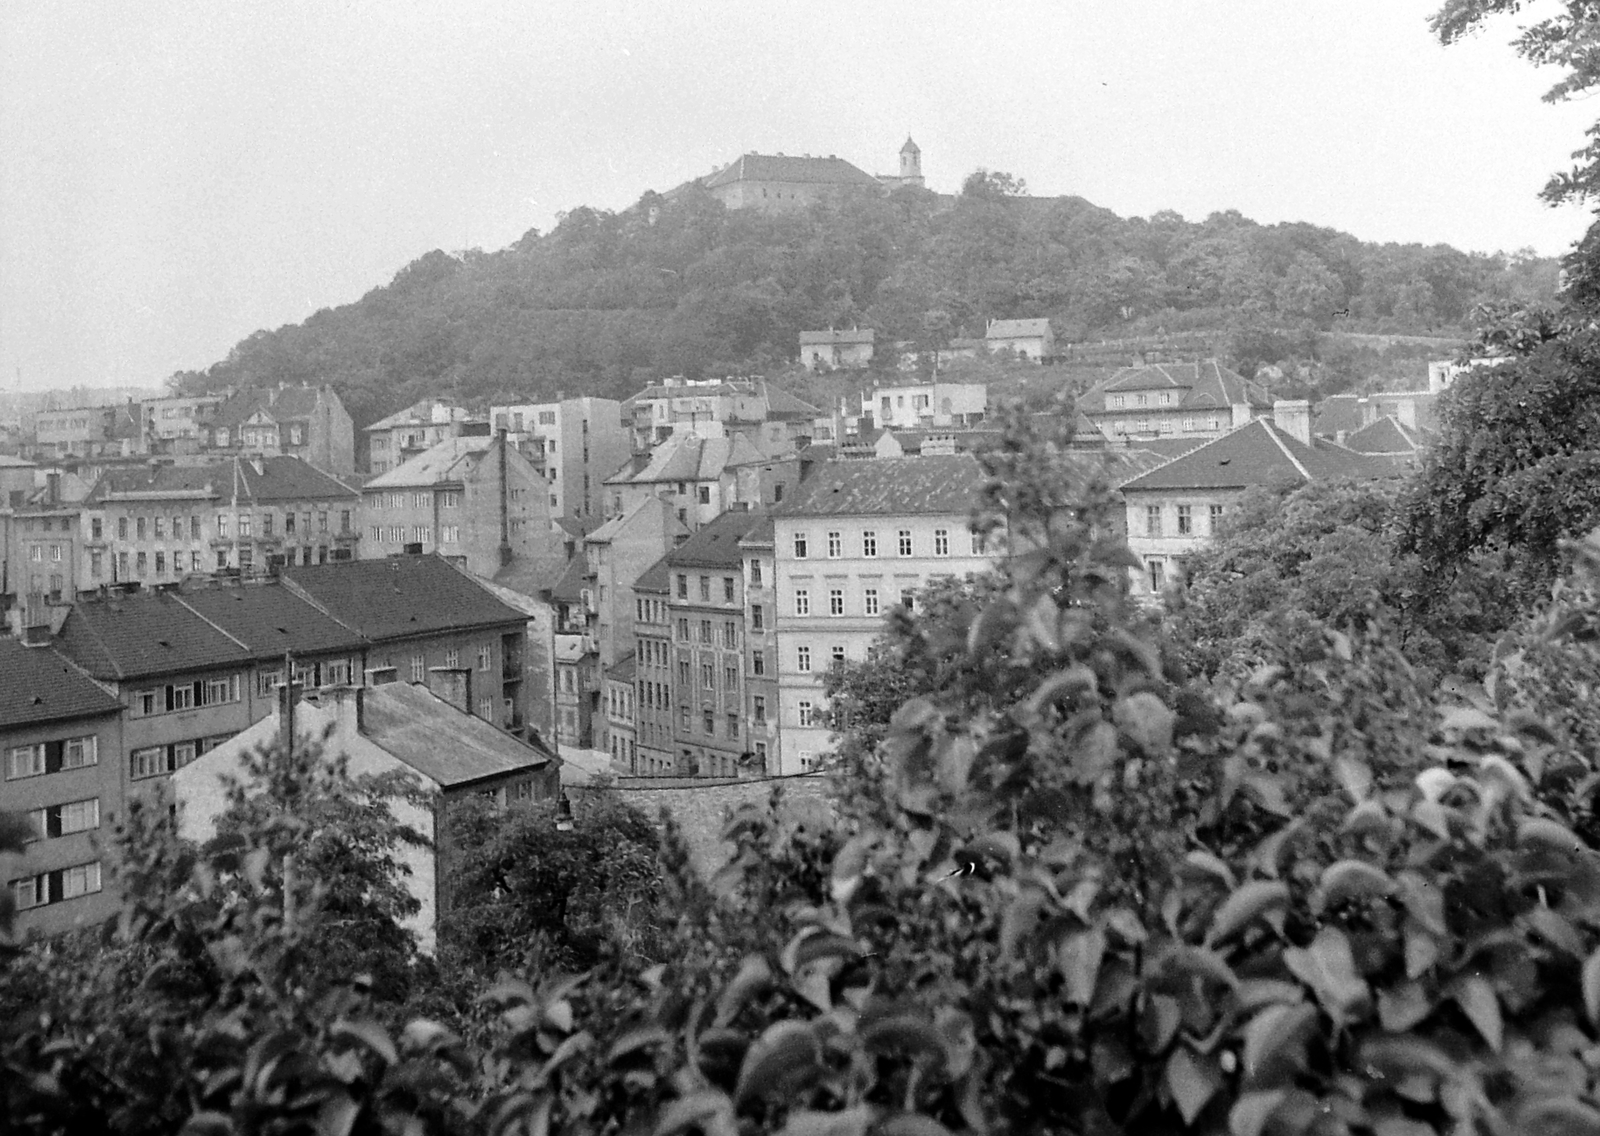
519, 883
605, 300
1291, 564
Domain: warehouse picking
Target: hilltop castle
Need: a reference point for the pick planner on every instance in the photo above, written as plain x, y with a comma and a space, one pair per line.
784, 181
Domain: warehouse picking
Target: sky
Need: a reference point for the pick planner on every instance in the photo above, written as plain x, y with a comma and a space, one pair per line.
178, 174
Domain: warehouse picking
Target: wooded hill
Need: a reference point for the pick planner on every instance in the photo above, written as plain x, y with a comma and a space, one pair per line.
606, 300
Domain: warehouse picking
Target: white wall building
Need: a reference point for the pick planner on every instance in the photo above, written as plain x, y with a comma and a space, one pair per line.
859, 538
582, 441
926, 404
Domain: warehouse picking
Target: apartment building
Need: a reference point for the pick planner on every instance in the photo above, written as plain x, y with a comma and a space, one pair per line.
60, 745
309, 423
578, 442
43, 546
1175, 508
701, 478
857, 539
406, 433
161, 523
652, 628
1199, 399
761, 647
477, 501
925, 405
707, 609
621, 730
166, 423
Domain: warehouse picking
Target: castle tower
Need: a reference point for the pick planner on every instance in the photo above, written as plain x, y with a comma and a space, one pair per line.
910, 163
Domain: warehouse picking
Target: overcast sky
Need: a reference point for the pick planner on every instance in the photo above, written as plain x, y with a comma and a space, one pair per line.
176, 175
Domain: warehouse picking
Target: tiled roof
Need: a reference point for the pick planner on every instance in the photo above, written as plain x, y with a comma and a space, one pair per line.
1337, 414
1017, 329
782, 167
1258, 453
418, 414
1207, 383
38, 685
863, 335
656, 579
148, 633
438, 740
966, 441
623, 669
282, 478
529, 577
1385, 436
442, 464
887, 487
399, 596
281, 405
782, 404
761, 534
269, 619
1168, 447
568, 588
685, 458
716, 545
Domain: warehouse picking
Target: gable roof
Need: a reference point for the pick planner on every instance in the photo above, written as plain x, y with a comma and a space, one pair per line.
862, 335
623, 669
269, 619
143, 635
790, 168
568, 587
1258, 453
689, 458
1387, 435
281, 478
438, 740
420, 414
441, 464
1206, 383
888, 487
285, 477
280, 404
782, 404
1017, 329
38, 685
399, 596
716, 545
656, 579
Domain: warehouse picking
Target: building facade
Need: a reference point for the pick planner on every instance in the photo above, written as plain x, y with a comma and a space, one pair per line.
406, 433
859, 539
761, 648
309, 423
832, 350
652, 629
1027, 339
1183, 400
577, 442
925, 405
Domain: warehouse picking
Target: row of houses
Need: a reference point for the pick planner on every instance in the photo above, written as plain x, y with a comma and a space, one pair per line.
854, 348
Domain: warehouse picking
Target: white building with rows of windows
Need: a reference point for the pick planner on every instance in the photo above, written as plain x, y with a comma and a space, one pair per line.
859, 538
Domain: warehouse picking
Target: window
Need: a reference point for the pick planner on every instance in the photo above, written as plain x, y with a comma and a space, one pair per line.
1118, 401
683, 672
161, 563
941, 542
65, 819
417, 665
452, 657
1188, 425
54, 887
1185, 520
266, 524
705, 589
156, 761
730, 634
288, 518
194, 561
727, 589
835, 601
835, 544
160, 525
683, 587
1152, 520
141, 562
806, 712
755, 573
905, 542
799, 546
139, 527
802, 602
758, 709
758, 662
1215, 517
869, 601
222, 526
730, 678
36, 553
485, 657
869, 544
709, 721
802, 659
245, 523
683, 630
908, 599
96, 565
705, 494
122, 528
733, 724
1157, 572
705, 631
838, 657
757, 618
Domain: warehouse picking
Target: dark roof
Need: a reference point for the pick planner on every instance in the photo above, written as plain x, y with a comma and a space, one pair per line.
716, 545
529, 576
761, 534
1258, 453
1168, 447
38, 685
623, 669
1338, 414
148, 633
887, 486
1385, 436
288, 478
399, 596
1206, 383
270, 619
282, 405
440, 741
791, 168
568, 587
655, 579
782, 404
158, 479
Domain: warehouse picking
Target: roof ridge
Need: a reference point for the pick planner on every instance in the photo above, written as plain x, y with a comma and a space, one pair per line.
1272, 432
116, 667
202, 617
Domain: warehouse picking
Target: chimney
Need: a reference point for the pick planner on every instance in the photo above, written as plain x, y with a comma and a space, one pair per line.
1293, 417
453, 684
505, 519
348, 704
288, 699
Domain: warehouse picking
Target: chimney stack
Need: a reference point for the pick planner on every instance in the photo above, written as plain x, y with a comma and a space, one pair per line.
1293, 417
348, 704
505, 519
288, 698
453, 685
